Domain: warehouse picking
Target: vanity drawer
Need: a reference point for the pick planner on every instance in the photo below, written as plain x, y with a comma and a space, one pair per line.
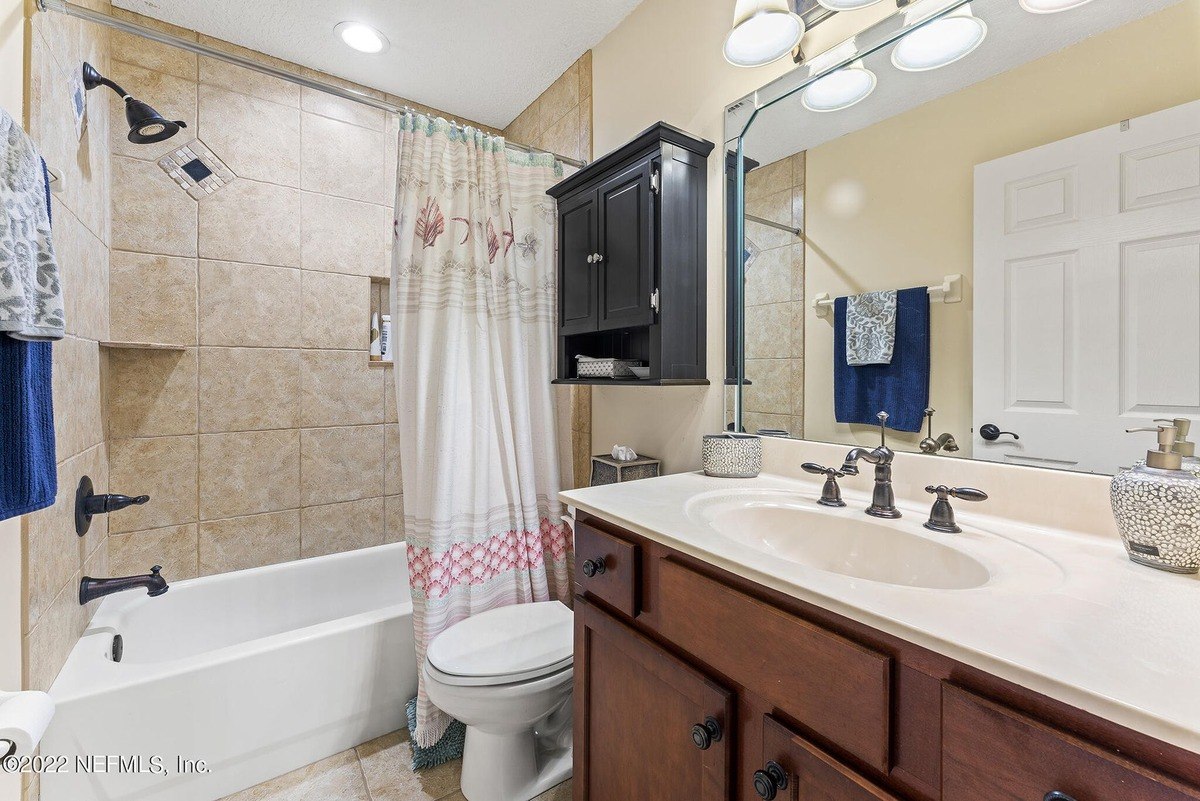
613, 565
839, 690
812, 775
993, 752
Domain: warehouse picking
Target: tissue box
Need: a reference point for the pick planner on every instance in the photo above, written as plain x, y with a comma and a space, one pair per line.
732, 455
607, 470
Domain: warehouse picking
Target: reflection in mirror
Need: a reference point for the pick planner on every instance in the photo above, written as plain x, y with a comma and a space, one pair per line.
996, 217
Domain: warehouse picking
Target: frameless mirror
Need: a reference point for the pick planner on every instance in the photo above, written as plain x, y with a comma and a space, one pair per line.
1023, 189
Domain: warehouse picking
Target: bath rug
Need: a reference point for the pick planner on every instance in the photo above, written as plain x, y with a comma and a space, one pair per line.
447, 749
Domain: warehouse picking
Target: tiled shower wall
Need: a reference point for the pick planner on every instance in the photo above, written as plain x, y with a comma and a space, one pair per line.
267, 436
560, 120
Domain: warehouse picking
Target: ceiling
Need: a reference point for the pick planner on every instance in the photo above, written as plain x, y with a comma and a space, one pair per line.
484, 60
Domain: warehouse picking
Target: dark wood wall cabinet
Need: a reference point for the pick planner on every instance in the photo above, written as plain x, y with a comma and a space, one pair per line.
632, 253
694, 684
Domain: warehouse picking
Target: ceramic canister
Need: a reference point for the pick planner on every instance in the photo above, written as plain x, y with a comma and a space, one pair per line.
732, 455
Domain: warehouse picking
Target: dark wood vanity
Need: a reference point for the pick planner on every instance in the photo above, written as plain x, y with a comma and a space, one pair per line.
692, 684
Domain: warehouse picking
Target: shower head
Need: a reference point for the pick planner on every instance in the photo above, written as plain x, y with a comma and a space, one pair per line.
146, 125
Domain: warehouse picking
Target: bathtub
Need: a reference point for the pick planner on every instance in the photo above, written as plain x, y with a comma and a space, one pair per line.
255, 673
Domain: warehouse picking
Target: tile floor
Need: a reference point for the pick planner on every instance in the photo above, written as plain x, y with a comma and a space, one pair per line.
379, 770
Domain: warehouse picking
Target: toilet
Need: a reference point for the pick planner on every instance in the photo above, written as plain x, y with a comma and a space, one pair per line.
506, 674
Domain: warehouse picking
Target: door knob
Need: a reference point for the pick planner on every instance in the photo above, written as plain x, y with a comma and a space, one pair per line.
770, 780
706, 733
991, 432
594, 567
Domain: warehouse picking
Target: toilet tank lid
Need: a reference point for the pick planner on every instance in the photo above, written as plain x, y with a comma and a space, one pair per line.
510, 640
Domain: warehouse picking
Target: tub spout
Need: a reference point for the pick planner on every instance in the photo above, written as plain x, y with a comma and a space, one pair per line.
92, 588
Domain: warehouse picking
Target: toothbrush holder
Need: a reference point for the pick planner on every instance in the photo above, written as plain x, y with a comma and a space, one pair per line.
732, 455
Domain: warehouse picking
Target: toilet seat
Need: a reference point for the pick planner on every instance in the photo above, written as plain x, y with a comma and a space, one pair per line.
511, 644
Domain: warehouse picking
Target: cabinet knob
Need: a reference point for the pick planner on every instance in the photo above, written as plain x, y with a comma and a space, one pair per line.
599, 258
591, 258
706, 733
1057, 795
770, 780
594, 567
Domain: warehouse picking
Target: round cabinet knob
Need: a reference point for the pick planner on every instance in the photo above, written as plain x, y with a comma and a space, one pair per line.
706, 733
594, 567
769, 781
1057, 795
991, 432
599, 258
591, 258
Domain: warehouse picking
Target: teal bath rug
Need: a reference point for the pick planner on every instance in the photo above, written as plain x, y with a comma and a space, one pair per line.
447, 749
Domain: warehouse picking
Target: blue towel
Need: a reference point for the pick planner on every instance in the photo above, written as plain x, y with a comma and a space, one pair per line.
901, 388
28, 465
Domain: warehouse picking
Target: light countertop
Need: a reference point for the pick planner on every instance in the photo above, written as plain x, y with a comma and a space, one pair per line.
1084, 626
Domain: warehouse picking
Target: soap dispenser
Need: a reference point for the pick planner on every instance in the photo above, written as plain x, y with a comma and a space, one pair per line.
1183, 446
1157, 506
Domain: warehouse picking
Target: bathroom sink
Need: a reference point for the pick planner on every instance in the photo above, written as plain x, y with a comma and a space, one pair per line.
793, 528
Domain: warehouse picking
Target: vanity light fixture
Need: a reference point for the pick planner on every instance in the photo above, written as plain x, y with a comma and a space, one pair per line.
763, 31
846, 5
362, 38
939, 43
839, 90
1051, 6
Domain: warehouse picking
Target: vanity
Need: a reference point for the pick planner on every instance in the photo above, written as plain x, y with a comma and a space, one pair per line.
736, 640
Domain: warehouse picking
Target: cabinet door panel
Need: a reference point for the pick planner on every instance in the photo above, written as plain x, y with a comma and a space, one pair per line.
635, 706
578, 282
627, 246
813, 775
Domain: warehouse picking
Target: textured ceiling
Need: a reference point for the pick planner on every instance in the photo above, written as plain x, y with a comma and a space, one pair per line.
485, 60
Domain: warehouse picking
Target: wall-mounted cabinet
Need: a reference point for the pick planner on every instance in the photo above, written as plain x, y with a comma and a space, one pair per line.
632, 259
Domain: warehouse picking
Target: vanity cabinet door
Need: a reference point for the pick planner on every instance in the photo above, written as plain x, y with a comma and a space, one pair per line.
794, 768
579, 282
647, 725
626, 266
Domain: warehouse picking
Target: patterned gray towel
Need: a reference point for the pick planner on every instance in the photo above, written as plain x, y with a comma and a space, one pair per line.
31, 300
870, 328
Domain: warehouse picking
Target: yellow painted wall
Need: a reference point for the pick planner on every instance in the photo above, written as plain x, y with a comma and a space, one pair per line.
916, 173
664, 62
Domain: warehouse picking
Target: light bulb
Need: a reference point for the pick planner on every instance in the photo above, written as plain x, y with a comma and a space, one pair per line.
362, 38
941, 42
763, 31
839, 90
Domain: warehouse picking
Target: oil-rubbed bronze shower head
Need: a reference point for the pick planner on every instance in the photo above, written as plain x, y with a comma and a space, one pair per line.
146, 125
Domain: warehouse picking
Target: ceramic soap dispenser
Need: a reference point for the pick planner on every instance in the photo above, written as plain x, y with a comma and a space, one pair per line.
1183, 446
1157, 506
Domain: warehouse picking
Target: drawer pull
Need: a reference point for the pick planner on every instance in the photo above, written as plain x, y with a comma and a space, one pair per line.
594, 567
770, 780
706, 733
1057, 795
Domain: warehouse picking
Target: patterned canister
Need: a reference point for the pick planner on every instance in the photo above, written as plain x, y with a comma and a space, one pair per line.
1157, 506
732, 455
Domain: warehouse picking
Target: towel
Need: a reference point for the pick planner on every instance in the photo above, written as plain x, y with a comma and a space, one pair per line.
870, 328
31, 300
900, 388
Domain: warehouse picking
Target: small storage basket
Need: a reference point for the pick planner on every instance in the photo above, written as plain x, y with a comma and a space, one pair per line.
732, 455
605, 368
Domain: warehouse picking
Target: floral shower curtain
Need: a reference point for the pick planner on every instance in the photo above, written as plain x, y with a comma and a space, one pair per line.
473, 316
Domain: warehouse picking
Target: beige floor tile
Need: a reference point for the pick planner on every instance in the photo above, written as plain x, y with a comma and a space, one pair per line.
249, 305
239, 543
337, 778
249, 472
341, 527
150, 393
246, 389
162, 467
341, 464
387, 765
560, 793
173, 547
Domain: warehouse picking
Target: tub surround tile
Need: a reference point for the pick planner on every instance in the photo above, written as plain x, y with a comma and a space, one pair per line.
172, 96
769, 179
769, 279
339, 387
239, 543
141, 191
248, 82
334, 310
341, 527
153, 56
341, 159
258, 139
392, 484
393, 518
75, 384
164, 468
249, 472
152, 298
83, 261
345, 236
337, 108
341, 464
251, 221
337, 777
173, 547
387, 767
150, 393
250, 305
244, 389
771, 387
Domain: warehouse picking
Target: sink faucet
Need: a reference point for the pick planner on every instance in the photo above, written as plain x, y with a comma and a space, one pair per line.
92, 588
944, 442
883, 499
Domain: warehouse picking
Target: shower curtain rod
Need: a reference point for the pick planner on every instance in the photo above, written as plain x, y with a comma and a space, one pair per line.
70, 9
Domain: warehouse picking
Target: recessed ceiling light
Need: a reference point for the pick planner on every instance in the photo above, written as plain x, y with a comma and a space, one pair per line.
763, 31
839, 90
941, 42
361, 37
846, 5
1051, 6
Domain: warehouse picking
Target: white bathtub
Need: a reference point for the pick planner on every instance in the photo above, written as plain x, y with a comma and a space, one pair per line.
257, 673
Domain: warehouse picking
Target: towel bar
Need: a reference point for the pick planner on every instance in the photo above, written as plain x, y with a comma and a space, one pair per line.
949, 291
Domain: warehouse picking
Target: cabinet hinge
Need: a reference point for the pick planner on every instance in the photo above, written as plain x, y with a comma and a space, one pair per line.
654, 301
654, 179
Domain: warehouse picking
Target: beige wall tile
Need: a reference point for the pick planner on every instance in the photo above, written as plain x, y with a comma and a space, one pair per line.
51, 640
770, 389
776, 207
240, 79
768, 179
341, 464
335, 310
152, 299
252, 222
770, 333
339, 387
769, 279
341, 527
345, 236
342, 159
150, 393
78, 424
243, 389
560, 98
249, 305
173, 547
392, 484
258, 139
150, 214
585, 76
152, 55
563, 136
172, 96
390, 413
163, 468
249, 472
393, 518
328, 105
83, 269
239, 543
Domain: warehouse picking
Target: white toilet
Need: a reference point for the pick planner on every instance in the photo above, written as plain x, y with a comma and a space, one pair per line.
506, 673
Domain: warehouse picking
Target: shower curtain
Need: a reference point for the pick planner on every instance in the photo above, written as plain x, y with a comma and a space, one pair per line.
473, 322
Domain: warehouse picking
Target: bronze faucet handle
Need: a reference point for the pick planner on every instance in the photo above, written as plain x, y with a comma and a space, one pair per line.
831, 493
821, 470
941, 516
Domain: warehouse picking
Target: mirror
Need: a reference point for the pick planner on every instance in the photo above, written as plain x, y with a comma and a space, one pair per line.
1034, 204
